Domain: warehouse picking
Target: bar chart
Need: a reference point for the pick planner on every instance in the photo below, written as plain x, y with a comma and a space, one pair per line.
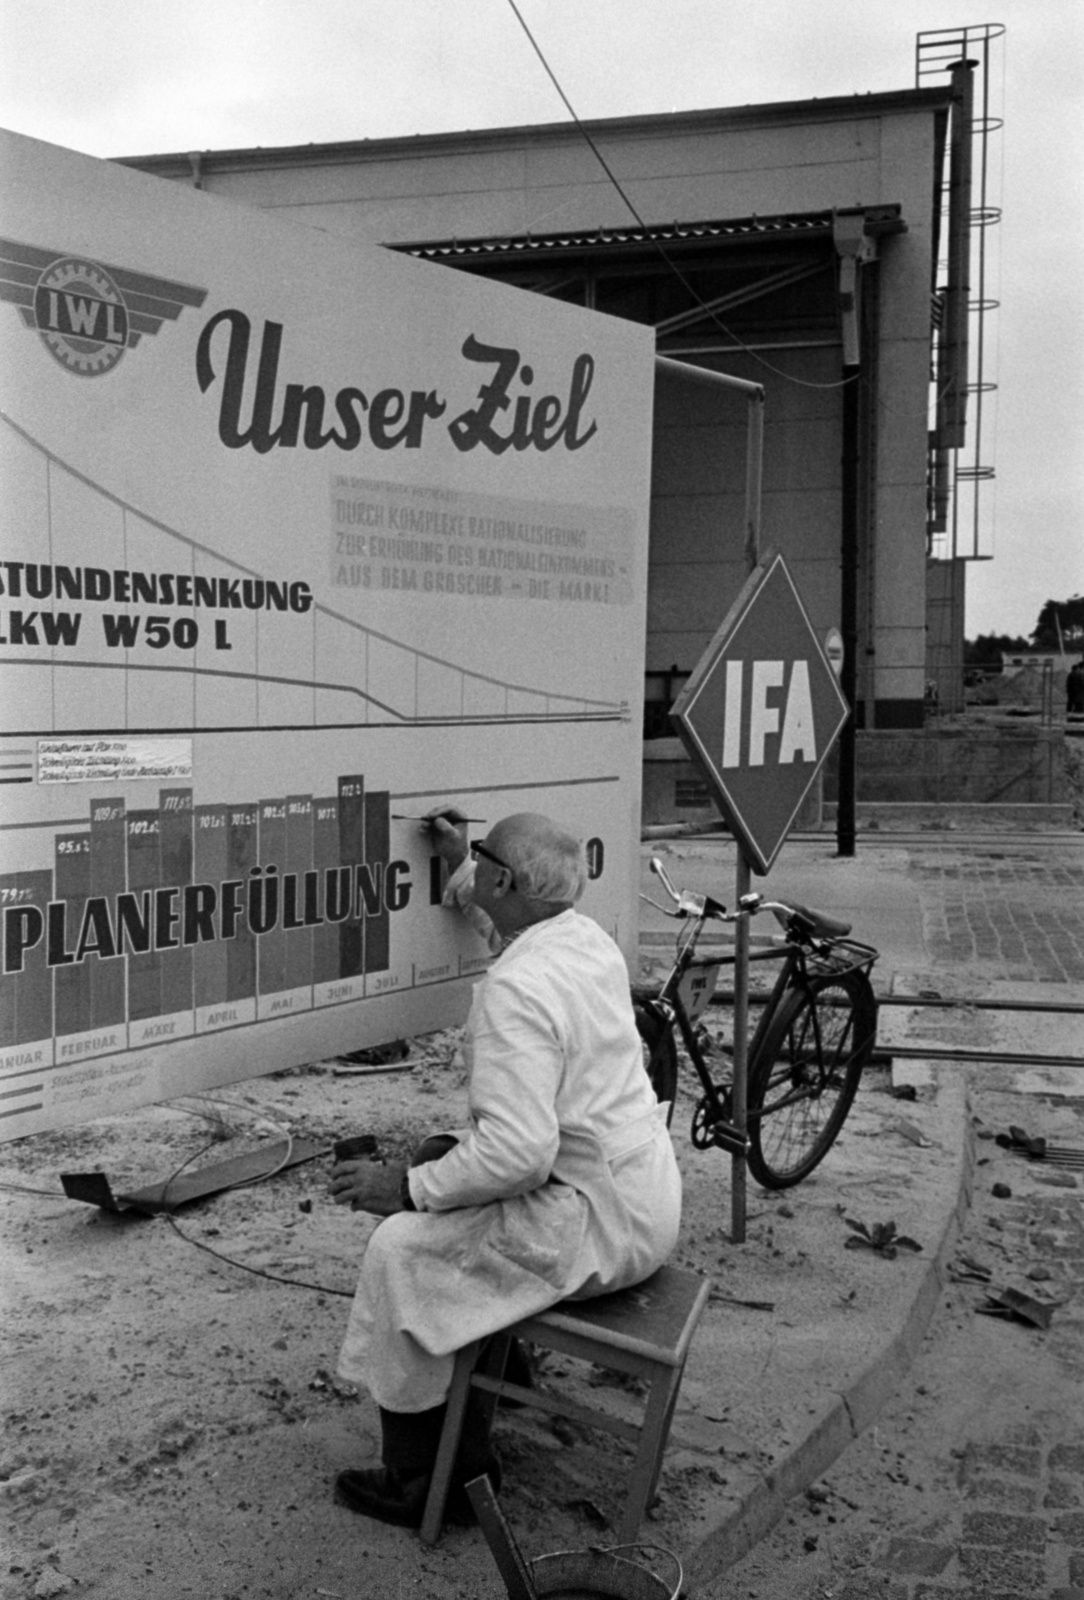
177, 919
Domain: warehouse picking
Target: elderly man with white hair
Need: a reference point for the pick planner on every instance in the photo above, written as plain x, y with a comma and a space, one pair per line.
563, 1185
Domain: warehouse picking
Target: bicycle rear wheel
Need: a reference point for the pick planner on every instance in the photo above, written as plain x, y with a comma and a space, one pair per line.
806, 1075
660, 1055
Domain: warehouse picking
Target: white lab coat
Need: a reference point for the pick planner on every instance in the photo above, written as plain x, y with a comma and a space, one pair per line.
564, 1184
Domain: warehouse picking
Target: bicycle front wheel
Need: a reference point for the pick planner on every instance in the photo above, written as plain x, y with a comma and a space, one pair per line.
806, 1075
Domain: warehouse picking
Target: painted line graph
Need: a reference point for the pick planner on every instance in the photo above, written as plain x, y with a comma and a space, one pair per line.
352, 674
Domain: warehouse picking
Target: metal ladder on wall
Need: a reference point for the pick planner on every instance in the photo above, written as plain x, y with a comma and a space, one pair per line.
957, 466
961, 368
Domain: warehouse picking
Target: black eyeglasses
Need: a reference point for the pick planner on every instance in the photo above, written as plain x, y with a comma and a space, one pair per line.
479, 849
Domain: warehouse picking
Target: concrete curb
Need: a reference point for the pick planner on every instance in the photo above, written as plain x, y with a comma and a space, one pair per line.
864, 1395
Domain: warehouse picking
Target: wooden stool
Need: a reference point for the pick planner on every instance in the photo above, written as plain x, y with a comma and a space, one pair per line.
645, 1330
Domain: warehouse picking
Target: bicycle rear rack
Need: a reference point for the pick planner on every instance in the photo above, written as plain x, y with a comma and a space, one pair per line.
845, 956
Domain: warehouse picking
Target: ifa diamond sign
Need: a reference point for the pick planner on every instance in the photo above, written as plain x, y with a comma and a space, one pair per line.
761, 711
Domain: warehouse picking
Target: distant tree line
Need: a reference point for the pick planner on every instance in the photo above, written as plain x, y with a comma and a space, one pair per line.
989, 649
1060, 626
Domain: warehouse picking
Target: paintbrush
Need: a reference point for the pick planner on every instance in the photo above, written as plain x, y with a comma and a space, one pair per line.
398, 817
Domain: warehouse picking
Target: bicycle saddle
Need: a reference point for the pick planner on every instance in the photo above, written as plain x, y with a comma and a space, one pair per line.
818, 924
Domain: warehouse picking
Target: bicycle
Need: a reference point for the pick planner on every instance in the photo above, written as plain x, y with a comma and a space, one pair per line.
806, 1057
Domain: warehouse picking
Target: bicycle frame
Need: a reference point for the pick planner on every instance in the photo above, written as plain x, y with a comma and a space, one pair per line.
685, 1016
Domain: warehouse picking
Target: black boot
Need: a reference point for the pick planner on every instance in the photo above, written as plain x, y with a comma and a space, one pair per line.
397, 1491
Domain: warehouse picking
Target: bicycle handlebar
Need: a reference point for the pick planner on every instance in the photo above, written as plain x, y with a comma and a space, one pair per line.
689, 904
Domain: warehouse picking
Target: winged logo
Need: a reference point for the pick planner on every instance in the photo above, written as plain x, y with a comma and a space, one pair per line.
88, 313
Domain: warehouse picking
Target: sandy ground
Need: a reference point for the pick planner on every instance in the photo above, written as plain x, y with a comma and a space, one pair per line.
172, 1424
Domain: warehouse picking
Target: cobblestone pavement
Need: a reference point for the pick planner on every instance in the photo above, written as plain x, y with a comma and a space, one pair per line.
1013, 911
971, 1484
1021, 1529
1012, 1523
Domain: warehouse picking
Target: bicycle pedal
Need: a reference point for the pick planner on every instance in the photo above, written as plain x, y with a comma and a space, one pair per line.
727, 1137
706, 1120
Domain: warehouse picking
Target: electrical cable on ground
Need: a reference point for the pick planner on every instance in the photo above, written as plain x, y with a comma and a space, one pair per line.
258, 1272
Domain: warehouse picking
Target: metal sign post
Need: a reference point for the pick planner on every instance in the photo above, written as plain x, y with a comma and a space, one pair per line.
738, 1171
754, 457
758, 717
741, 1054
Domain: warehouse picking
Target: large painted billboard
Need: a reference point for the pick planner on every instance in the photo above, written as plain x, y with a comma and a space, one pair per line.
298, 539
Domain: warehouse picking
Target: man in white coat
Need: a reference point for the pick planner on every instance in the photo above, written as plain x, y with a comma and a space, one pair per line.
564, 1184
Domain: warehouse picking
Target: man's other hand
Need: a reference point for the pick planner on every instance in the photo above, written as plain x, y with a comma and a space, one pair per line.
373, 1186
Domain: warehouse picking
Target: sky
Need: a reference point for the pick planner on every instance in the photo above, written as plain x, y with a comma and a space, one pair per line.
137, 77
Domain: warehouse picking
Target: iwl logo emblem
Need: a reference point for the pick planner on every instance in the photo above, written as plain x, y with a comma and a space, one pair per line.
87, 313
81, 316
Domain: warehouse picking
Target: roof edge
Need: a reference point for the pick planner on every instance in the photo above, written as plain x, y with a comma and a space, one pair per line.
179, 163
